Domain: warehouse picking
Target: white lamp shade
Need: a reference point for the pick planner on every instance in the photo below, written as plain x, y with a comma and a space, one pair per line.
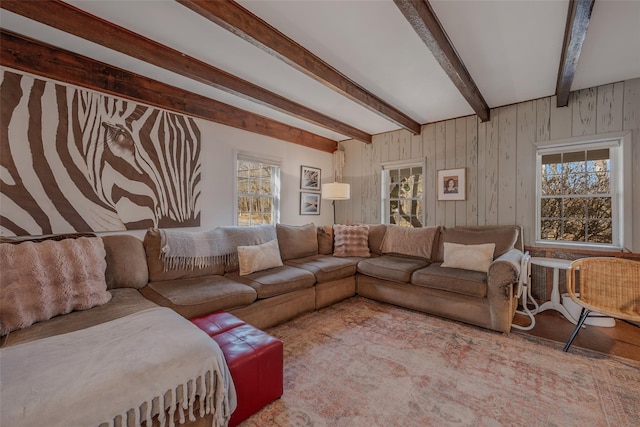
336, 191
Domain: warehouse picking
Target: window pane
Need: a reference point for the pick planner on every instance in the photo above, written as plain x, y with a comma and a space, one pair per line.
574, 230
404, 195
574, 208
599, 207
551, 185
600, 231
574, 183
598, 182
550, 208
550, 229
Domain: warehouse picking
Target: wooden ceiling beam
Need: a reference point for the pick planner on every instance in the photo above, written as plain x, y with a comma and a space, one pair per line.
31, 56
578, 17
241, 22
70, 19
425, 22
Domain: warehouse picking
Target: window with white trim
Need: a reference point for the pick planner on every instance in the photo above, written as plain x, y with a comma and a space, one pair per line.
257, 190
402, 194
580, 188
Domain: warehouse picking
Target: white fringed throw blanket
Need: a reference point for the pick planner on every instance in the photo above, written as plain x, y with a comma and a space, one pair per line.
121, 372
185, 250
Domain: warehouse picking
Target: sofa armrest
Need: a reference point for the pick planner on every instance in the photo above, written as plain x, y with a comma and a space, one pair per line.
503, 273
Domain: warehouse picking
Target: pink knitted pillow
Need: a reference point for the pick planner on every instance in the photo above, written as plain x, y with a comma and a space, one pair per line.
351, 240
43, 280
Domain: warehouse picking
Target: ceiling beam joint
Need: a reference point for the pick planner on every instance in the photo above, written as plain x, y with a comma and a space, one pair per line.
578, 17
426, 24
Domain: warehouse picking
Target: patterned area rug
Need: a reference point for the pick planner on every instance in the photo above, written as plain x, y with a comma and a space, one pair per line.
362, 363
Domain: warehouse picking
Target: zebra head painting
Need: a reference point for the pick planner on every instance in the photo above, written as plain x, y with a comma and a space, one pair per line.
74, 160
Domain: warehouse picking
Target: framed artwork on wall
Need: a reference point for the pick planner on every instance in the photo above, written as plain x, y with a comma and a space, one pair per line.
309, 178
452, 184
309, 203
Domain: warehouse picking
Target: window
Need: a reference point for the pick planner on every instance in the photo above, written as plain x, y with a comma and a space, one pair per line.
402, 195
580, 193
257, 190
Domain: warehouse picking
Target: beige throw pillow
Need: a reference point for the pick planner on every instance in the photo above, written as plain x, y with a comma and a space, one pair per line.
351, 240
259, 257
468, 257
409, 241
50, 278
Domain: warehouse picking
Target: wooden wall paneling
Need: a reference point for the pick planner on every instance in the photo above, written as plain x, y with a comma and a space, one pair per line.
609, 108
482, 172
472, 170
631, 121
354, 157
373, 205
417, 145
507, 158
461, 162
525, 172
560, 119
429, 187
394, 145
367, 178
450, 162
405, 140
491, 169
441, 151
543, 119
584, 112
383, 141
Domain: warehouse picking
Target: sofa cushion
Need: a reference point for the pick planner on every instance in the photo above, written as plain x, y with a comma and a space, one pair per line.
124, 301
297, 241
351, 240
468, 257
152, 246
126, 262
376, 235
325, 239
390, 267
326, 268
276, 281
258, 257
505, 237
409, 241
465, 282
50, 278
199, 295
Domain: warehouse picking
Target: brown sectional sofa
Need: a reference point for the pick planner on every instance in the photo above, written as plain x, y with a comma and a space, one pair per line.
310, 278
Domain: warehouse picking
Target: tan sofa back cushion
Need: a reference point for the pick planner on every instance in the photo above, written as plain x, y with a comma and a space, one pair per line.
376, 235
126, 262
325, 240
506, 237
152, 245
297, 241
409, 241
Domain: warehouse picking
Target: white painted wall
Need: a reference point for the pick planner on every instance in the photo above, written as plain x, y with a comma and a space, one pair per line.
499, 157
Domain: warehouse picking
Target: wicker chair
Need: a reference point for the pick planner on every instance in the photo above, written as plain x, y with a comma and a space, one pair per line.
610, 286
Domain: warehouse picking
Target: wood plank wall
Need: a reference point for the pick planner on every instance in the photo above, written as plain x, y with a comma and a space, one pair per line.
499, 157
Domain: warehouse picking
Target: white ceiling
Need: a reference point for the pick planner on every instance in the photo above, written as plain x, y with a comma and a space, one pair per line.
510, 48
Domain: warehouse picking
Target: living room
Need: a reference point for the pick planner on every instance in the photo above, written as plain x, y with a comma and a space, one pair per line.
45, 70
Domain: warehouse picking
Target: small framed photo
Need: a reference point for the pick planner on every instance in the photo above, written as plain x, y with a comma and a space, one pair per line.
309, 178
309, 203
452, 184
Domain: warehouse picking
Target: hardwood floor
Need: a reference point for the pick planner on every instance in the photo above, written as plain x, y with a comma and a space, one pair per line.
623, 340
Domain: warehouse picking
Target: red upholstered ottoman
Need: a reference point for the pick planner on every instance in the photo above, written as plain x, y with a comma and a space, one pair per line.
254, 359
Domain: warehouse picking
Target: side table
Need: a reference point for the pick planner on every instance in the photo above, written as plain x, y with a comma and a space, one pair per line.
555, 302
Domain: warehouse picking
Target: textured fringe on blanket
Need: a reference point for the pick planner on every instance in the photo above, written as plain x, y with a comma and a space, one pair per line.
175, 406
189, 251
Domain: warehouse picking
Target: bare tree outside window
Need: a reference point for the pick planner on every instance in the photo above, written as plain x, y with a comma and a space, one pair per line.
404, 189
257, 193
576, 197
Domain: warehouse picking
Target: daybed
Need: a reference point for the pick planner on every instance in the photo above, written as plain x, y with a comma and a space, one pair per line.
272, 275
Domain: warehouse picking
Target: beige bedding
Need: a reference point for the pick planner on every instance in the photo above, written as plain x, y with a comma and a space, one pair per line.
122, 372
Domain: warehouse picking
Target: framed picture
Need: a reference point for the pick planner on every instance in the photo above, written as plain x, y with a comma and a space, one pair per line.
452, 184
309, 178
309, 203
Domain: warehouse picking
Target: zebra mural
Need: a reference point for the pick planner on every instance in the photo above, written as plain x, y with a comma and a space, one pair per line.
74, 160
